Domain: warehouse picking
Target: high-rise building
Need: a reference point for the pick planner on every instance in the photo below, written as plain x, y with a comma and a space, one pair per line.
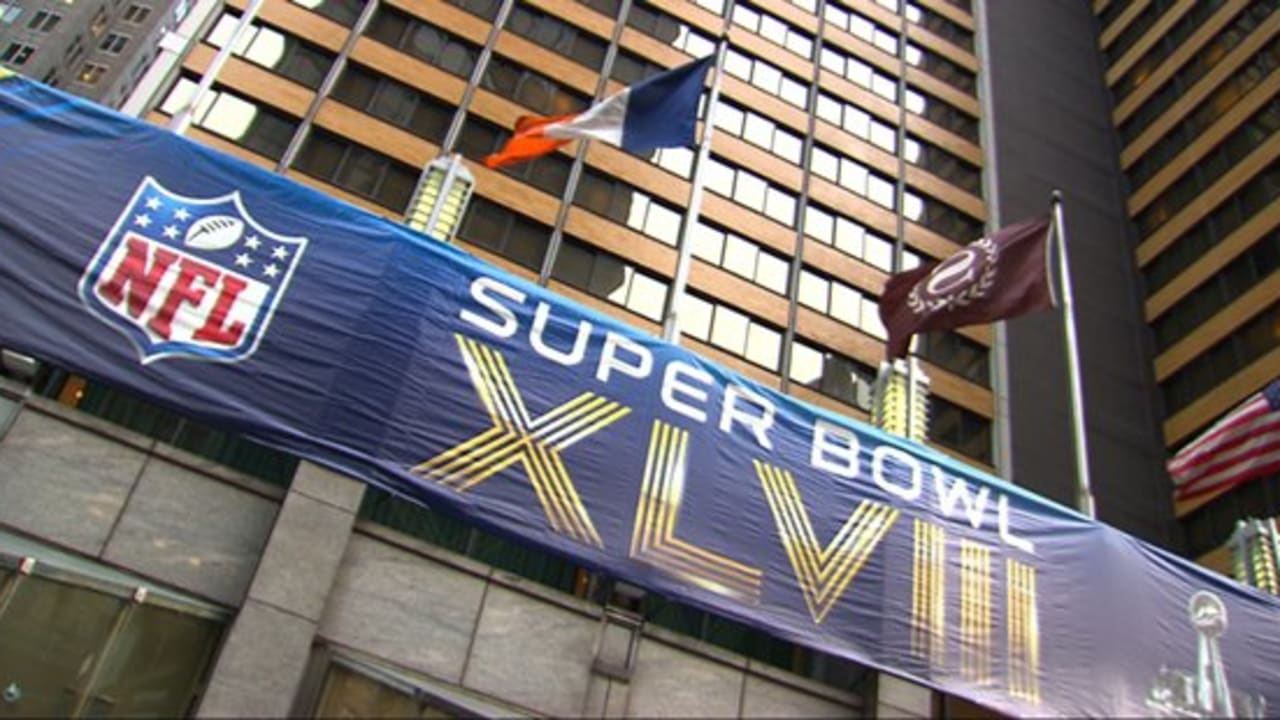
94, 48
881, 109
853, 138
1197, 118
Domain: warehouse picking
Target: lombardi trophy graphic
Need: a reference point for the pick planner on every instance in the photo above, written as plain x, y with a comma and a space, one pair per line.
1204, 693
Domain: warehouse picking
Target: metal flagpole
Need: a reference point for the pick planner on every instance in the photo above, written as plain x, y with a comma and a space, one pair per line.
671, 319
182, 119
1084, 491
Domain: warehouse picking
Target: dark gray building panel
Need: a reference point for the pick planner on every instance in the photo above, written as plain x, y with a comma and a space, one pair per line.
1051, 124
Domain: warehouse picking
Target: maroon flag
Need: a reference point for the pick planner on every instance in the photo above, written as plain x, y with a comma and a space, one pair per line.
993, 278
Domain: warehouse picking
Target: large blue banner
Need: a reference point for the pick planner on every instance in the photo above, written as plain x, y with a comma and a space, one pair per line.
239, 297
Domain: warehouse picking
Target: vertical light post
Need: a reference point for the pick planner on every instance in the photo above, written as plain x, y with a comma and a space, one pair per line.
900, 400
441, 198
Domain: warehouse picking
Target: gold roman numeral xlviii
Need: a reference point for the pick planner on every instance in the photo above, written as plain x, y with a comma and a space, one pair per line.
975, 612
1024, 631
653, 538
929, 593
823, 572
516, 437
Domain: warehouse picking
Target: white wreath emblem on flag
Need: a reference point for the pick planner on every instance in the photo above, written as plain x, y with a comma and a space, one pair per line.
924, 298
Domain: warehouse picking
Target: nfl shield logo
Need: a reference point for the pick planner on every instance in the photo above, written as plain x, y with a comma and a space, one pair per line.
189, 277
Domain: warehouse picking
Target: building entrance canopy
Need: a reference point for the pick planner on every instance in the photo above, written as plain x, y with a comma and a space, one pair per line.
241, 298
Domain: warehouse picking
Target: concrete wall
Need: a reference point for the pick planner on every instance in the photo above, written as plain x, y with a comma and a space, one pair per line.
1048, 117
300, 572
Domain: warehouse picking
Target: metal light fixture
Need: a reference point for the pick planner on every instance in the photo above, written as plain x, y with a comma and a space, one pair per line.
441, 197
900, 402
1255, 549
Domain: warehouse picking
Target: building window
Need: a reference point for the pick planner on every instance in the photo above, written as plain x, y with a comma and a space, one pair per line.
91, 73
832, 374
855, 120
80, 643
943, 69
740, 256
556, 35
854, 239
395, 102
424, 41
944, 27
99, 22
343, 12
861, 73
752, 191
1207, 58
668, 29
943, 164
75, 50
487, 9
353, 689
17, 54
1228, 356
861, 26
1168, 42
759, 130
9, 12
773, 29
136, 14
840, 302
1136, 28
852, 175
730, 330
1228, 284
611, 278
358, 169
767, 77
629, 68
941, 218
44, 21
942, 114
506, 233
531, 89
624, 204
609, 8
1211, 525
1216, 227
957, 353
113, 43
959, 429
282, 54
256, 127
259, 128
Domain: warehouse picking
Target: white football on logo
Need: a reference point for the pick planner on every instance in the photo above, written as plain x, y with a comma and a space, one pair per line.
215, 232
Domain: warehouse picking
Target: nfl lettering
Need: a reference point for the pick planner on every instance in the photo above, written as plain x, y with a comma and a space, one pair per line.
189, 277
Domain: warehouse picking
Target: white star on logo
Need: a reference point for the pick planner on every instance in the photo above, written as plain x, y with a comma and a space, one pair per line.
181, 214
243, 260
171, 231
142, 220
270, 271
280, 253
252, 242
153, 203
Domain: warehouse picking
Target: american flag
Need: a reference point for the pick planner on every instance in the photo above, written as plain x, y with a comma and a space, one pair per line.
1243, 445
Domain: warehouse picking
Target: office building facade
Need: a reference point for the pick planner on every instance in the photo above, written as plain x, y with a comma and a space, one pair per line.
853, 138
1196, 115
97, 49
